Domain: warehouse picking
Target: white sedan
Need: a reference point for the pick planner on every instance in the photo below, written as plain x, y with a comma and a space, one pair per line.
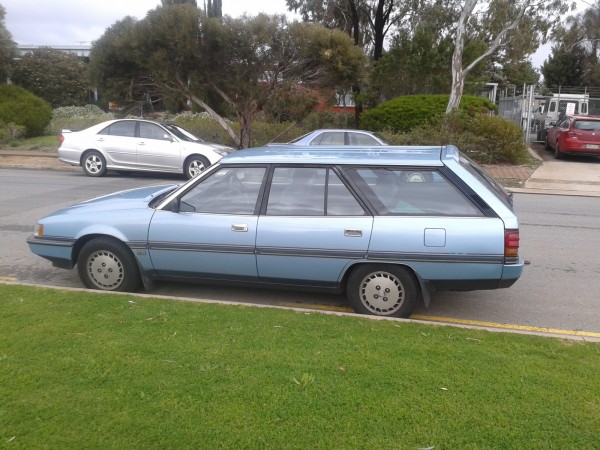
138, 145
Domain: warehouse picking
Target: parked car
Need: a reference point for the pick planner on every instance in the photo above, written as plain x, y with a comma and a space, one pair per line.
138, 145
334, 219
339, 137
574, 135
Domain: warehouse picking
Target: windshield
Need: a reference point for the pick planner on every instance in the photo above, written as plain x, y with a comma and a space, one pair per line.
182, 133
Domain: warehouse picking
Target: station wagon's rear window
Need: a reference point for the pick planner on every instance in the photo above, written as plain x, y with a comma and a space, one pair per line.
411, 192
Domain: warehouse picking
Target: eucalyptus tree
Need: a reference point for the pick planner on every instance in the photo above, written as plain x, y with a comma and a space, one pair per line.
497, 23
369, 22
580, 35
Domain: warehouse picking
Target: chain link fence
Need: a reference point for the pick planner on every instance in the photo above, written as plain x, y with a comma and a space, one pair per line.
534, 109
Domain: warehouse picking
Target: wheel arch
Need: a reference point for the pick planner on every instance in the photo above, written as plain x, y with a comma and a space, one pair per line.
426, 288
87, 151
81, 241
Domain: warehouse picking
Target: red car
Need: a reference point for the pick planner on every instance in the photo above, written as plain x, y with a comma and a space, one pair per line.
574, 135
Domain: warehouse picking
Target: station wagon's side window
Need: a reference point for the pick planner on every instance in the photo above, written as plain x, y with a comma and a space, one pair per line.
124, 128
230, 190
309, 191
411, 192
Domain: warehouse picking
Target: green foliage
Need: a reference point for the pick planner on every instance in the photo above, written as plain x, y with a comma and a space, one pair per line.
402, 114
116, 67
8, 48
487, 139
10, 131
328, 119
76, 118
58, 77
25, 109
564, 67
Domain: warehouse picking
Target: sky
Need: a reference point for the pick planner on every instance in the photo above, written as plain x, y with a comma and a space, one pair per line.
73, 22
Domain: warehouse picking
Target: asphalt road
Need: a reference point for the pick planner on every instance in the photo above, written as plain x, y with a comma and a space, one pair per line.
560, 237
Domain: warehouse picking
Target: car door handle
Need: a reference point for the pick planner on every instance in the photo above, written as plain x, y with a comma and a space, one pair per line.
239, 227
352, 232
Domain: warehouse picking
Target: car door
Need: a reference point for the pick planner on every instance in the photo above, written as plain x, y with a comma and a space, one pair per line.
212, 231
311, 229
562, 126
427, 223
118, 143
157, 149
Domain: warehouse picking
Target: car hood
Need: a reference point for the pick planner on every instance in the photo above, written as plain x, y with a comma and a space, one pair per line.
118, 201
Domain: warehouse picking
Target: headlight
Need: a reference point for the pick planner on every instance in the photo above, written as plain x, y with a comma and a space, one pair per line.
221, 152
38, 232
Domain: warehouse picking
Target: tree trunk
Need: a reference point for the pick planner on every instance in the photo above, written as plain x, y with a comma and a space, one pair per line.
458, 76
211, 112
245, 130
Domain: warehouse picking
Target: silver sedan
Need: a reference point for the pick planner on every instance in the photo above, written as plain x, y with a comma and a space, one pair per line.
138, 145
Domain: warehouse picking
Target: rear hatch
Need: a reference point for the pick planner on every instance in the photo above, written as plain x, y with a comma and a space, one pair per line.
587, 131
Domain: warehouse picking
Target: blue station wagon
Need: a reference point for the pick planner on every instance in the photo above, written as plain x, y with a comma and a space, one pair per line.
387, 225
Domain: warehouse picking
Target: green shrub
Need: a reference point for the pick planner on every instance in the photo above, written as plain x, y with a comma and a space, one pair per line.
10, 131
487, 139
25, 109
328, 119
402, 114
76, 118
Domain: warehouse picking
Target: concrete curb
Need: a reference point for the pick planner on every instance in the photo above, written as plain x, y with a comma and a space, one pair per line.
307, 310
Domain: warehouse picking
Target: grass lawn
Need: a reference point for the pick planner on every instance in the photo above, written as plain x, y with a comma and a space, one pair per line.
40, 143
86, 370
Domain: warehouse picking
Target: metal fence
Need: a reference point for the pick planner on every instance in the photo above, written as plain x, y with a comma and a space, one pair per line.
534, 110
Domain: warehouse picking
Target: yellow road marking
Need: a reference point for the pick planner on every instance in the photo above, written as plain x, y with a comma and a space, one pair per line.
505, 326
450, 320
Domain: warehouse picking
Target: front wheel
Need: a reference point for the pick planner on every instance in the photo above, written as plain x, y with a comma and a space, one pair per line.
382, 290
94, 164
195, 165
108, 265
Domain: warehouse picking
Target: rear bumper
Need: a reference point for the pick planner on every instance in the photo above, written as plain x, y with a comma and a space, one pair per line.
580, 148
511, 273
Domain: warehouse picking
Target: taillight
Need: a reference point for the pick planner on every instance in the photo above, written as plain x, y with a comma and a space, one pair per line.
62, 139
511, 245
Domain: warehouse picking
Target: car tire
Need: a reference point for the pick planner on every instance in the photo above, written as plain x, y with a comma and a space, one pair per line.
93, 164
108, 265
557, 153
547, 145
194, 165
382, 290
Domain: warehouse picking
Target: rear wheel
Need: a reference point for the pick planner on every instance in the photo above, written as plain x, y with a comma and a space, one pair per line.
382, 290
108, 265
557, 153
195, 165
93, 164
